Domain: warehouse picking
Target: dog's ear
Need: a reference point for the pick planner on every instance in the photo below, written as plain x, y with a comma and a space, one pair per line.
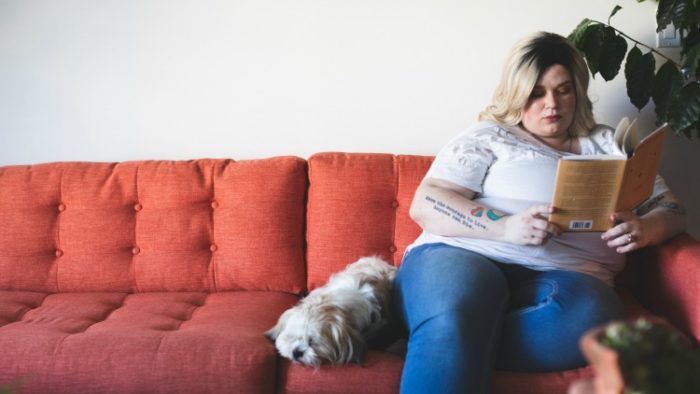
359, 347
275, 331
350, 346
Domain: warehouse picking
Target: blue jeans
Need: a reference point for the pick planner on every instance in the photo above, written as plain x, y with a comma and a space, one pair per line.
466, 314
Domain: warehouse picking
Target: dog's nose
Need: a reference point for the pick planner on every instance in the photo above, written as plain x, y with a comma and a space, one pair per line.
297, 354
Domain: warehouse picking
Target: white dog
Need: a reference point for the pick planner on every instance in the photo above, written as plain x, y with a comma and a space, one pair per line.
333, 322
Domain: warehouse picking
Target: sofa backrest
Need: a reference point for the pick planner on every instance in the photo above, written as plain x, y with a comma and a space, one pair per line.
203, 225
357, 206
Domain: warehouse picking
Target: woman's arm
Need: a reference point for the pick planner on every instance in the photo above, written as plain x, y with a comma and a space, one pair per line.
656, 221
444, 208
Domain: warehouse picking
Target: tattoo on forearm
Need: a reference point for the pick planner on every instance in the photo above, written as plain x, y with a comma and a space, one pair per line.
659, 202
649, 204
472, 221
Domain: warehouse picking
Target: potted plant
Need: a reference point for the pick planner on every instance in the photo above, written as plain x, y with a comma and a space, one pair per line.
674, 87
641, 357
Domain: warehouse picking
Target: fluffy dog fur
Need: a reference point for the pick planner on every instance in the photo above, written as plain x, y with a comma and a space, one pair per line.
334, 322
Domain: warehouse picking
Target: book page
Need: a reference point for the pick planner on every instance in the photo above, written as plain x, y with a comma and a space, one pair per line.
585, 193
621, 133
640, 171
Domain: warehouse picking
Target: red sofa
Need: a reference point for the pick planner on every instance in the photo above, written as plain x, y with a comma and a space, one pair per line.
161, 276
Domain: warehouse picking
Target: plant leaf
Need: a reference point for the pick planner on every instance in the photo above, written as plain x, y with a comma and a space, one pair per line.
676, 12
593, 45
612, 53
685, 109
692, 60
689, 39
663, 14
667, 83
639, 72
577, 35
614, 11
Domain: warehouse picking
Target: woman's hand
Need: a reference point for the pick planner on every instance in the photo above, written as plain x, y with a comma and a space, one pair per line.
530, 227
630, 233
657, 220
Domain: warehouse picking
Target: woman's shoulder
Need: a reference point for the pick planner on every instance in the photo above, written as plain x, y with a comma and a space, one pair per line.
484, 130
601, 131
486, 127
602, 139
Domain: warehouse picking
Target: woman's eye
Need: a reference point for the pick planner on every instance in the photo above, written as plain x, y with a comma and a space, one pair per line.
565, 90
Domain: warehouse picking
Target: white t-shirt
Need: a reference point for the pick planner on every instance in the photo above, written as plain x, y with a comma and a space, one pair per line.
511, 171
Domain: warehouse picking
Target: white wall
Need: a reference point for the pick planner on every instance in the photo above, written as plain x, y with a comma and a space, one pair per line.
115, 80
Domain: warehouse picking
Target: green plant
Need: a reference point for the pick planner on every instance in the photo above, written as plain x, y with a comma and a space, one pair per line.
674, 87
653, 358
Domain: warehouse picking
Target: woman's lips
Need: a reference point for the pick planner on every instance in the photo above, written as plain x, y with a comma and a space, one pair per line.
552, 118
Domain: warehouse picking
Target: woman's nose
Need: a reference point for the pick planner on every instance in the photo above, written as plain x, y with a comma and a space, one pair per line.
550, 100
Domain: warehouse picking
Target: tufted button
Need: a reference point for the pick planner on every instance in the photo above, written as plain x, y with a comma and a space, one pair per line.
138, 207
213, 247
135, 250
59, 253
395, 204
214, 204
61, 207
392, 248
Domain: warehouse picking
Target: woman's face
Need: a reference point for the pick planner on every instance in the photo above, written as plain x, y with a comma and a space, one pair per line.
550, 109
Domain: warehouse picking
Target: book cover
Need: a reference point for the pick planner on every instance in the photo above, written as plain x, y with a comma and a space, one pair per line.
588, 188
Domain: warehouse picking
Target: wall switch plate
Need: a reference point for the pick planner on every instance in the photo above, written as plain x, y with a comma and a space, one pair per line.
669, 37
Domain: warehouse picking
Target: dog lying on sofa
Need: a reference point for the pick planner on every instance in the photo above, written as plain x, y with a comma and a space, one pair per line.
334, 322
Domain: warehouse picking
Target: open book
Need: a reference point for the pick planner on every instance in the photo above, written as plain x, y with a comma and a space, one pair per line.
588, 188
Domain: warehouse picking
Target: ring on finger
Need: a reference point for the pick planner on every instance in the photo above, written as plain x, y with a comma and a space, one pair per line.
630, 238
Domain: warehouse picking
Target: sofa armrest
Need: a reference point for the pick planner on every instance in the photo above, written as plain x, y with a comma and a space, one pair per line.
671, 282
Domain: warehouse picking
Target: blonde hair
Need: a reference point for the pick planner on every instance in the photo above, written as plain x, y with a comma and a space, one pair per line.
526, 62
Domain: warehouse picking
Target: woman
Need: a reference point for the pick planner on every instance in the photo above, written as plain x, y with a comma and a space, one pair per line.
490, 282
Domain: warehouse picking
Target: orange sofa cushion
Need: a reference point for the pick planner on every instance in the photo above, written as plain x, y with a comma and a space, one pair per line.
161, 342
202, 225
358, 205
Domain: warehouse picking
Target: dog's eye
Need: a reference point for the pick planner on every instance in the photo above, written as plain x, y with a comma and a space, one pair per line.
310, 342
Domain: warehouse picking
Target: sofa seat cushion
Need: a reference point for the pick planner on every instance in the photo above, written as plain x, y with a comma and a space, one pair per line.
145, 342
504, 382
381, 373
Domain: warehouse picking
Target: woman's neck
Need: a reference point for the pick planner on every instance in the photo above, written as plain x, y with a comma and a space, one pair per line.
564, 143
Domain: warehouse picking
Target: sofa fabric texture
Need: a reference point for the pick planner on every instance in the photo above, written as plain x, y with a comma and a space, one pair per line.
162, 276
202, 225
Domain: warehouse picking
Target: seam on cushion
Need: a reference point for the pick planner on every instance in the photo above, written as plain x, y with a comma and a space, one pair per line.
104, 319
160, 342
309, 212
305, 226
132, 269
196, 307
58, 226
27, 309
212, 263
396, 209
57, 348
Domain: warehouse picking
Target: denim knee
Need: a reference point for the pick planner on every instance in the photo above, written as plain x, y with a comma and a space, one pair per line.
439, 279
548, 315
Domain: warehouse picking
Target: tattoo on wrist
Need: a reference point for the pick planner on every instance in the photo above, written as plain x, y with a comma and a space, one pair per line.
659, 202
649, 204
678, 209
472, 221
